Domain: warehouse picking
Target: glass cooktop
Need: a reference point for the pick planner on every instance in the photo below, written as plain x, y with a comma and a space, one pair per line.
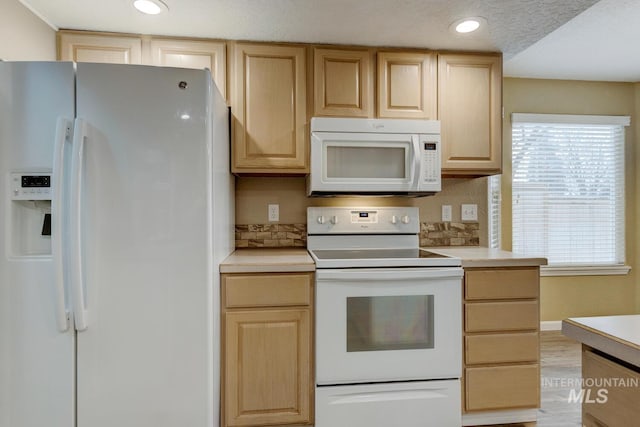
354, 258
375, 253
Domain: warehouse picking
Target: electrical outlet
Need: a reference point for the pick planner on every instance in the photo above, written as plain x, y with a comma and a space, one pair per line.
274, 213
446, 213
469, 212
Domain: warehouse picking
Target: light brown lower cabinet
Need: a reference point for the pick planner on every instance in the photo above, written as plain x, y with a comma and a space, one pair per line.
501, 339
502, 387
611, 397
267, 353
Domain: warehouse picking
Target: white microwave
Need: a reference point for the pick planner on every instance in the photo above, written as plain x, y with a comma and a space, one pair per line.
374, 157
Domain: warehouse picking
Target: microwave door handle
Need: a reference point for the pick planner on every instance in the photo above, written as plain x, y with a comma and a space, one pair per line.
415, 139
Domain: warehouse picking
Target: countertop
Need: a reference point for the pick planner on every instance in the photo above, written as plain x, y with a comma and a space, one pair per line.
618, 336
258, 260
478, 256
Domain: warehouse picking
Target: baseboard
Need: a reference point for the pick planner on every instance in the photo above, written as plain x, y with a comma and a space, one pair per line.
551, 325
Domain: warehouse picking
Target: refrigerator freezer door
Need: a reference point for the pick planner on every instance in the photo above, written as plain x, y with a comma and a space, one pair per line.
36, 359
146, 356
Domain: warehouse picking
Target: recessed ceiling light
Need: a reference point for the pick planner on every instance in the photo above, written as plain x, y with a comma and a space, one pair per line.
467, 25
150, 7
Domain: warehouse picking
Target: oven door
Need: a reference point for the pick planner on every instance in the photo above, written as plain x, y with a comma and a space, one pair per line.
364, 163
388, 324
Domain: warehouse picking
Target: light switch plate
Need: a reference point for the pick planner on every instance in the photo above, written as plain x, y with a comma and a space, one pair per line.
469, 212
446, 213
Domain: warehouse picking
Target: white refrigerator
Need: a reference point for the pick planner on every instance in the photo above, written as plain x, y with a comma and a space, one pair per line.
116, 207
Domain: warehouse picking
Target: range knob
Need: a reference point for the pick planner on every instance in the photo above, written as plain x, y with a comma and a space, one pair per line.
394, 219
405, 219
334, 220
321, 219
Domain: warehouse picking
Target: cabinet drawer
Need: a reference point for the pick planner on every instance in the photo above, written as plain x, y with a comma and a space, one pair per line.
501, 316
264, 290
502, 387
610, 404
501, 283
503, 348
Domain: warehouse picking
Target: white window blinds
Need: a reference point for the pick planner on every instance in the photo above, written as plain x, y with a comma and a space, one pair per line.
494, 194
568, 188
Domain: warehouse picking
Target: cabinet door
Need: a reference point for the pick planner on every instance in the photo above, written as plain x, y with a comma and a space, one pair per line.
470, 111
343, 83
407, 85
502, 387
80, 47
501, 316
613, 404
269, 112
192, 54
501, 283
267, 367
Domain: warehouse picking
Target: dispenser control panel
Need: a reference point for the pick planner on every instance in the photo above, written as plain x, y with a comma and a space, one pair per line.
31, 186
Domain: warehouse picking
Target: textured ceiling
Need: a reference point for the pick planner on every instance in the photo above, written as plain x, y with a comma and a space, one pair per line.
512, 24
568, 39
603, 43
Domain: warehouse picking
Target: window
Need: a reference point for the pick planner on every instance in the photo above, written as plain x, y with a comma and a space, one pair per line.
495, 204
568, 190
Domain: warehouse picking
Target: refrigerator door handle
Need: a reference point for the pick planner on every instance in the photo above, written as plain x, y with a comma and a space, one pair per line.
59, 212
75, 225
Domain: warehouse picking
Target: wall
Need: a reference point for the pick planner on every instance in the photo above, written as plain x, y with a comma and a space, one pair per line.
636, 179
573, 296
24, 36
254, 194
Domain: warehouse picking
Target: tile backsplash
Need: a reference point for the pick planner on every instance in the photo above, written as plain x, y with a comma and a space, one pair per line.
449, 234
295, 235
271, 235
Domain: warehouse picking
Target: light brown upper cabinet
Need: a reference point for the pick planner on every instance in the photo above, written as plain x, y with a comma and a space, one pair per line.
407, 84
192, 54
268, 101
470, 111
343, 82
87, 47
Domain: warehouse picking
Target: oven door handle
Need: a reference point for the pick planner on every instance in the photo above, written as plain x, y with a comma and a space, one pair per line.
373, 275
386, 396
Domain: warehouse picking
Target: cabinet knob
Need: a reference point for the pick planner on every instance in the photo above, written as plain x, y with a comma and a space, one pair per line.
405, 219
321, 219
394, 219
334, 220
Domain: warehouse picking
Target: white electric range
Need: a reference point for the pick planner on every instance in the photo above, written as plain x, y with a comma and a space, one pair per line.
388, 321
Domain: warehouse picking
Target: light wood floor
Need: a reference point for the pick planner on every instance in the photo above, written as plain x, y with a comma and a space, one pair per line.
560, 366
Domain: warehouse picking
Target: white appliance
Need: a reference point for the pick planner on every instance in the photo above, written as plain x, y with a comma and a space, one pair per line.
374, 157
112, 320
388, 321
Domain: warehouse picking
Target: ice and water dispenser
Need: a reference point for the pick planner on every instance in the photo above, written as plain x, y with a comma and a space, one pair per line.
30, 216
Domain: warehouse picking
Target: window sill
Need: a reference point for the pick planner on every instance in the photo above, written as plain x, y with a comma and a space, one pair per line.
596, 270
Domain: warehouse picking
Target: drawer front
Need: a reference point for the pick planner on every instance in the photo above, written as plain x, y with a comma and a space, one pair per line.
263, 290
501, 283
502, 387
501, 316
610, 404
503, 348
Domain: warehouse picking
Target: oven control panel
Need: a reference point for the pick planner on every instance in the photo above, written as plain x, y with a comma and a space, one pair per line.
359, 220
364, 217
